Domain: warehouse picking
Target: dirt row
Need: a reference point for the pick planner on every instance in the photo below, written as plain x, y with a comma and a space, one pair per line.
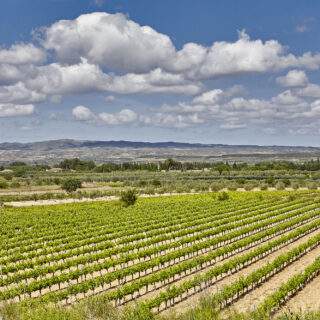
306, 300
246, 303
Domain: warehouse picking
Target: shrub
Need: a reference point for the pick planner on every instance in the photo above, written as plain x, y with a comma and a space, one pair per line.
295, 185
280, 186
286, 182
312, 186
248, 187
270, 181
223, 196
128, 197
263, 186
3, 184
156, 183
216, 187
232, 187
15, 184
142, 183
71, 185
149, 190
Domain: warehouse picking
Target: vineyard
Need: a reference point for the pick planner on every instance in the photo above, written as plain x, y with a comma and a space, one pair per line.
172, 256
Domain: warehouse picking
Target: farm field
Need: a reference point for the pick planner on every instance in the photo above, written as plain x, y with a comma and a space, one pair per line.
172, 257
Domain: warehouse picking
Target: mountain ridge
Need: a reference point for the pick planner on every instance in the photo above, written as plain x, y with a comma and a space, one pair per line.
73, 143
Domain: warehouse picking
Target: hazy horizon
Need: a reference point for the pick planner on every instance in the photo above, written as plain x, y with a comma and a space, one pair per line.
158, 141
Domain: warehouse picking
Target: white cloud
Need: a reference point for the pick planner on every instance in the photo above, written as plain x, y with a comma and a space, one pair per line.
247, 56
9, 74
12, 110
18, 93
82, 113
110, 40
171, 120
118, 44
209, 97
156, 81
233, 125
22, 54
294, 78
287, 97
57, 79
311, 90
123, 117
109, 53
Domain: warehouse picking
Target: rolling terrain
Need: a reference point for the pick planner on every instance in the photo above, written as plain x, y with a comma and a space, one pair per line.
128, 151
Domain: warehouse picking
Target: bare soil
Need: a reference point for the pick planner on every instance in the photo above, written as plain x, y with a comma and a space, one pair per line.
194, 300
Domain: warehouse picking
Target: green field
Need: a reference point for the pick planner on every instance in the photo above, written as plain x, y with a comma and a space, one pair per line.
172, 257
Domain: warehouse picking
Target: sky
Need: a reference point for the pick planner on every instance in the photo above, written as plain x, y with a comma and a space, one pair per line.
207, 71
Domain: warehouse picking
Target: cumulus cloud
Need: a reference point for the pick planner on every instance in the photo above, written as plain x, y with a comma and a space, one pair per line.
242, 56
110, 40
287, 97
119, 44
58, 79
12, 110
160, 119
311, 91
22, 54
125, 116
109, 53
294, 78
82, 113
156, 81
122, 117
285, 110
209, 97
18, 93
232, 125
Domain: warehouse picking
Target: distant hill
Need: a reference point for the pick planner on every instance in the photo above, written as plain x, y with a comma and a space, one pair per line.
121, 151
70, 143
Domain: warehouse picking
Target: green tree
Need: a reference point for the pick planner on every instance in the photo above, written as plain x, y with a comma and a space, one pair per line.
71, 185
128, 197
223, 196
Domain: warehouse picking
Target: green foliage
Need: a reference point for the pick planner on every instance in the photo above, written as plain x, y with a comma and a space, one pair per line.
128, 197
263, 186
270, 181
156, 183
223, 196
76, 164
216, 187
286, 182
97, 226
15, 184
71, 185
3, 184
280, 185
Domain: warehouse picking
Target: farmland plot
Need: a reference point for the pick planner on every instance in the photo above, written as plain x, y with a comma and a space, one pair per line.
255, 250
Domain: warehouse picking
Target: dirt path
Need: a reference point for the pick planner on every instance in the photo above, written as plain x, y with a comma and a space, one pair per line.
251, 300
194, 300
29, 203
306, 300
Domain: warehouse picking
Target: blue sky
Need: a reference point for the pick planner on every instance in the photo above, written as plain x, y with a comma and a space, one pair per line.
236, 72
